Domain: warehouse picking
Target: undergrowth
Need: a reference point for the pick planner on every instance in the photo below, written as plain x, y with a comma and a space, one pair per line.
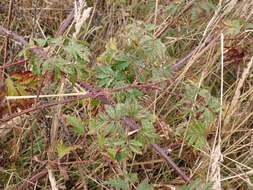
133, 95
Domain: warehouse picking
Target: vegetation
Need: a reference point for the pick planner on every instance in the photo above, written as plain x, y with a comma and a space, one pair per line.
125, 94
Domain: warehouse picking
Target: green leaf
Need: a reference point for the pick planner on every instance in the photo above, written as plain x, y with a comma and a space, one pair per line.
101, 141
36, 69
156, 74
119, 184
76, 123
112, 44
122, 58
56, 41
196, 135
120, 156
133, 177
121, 65
171, 9
110, 111
233, 27
111, 152
63, 149
249, 26
21, 90
135, 149
144, 186
41, 41
77, 50
12, 91
135, 143
198, 185
93, 126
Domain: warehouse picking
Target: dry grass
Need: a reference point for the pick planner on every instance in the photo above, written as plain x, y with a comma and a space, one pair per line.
31, 144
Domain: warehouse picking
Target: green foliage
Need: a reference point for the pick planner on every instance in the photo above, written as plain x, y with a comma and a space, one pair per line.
233, 27
203, 113
133, 52
112, 134
71, 57
76, 123
143, 44
144, 186
201, 9
173, 8
120, 184
121, 67
63, 149
198, 185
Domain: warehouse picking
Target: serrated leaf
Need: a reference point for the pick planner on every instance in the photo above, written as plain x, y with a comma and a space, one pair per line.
92, 127
77, 50
76, 123
101, 141
11, 88
135, 149
41, 41
122, 58
144, 186
119, 184
233, 27
56, 41
36, 69
135, 143
63, 149
156, 74
110, 111
121, 65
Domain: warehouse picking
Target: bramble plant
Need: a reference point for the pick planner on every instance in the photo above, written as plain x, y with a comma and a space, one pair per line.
70, 56
203, 113
173, 76
114, 138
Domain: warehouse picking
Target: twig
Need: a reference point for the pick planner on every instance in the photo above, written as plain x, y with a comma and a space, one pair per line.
126, 121
44, 106
161, 153
33, 179
94, 93
7, 38
52, 180
185, 60
12, 64
21, 40
66, 23
170, 20
171, 163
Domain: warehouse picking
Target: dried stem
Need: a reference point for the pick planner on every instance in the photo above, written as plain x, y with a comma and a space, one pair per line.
93, 94
7, 38
33, 179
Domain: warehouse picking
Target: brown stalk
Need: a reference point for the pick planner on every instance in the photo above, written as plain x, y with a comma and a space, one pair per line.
66, 23
7, 38
15, 63
33, 179
21, 40
170, 20
185, 60
95, 93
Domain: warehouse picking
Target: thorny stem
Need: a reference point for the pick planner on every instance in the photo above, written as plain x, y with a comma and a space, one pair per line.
93, 94
101, 94
33, 179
